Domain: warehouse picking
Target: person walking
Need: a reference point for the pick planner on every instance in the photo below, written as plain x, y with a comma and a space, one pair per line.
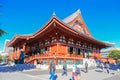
102, 66
64, 69
107, 67
52, 69
77, 73
86, 67
38, 66
22, 56
73, 72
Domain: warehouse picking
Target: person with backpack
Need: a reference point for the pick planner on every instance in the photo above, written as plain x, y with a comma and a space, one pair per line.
102, 66
77, 73
107, 67
64, 69
73, 72
22, 56
52, 69
86, 67
38, 64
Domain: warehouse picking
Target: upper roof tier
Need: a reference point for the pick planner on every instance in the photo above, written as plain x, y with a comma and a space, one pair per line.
76, 22
72, 16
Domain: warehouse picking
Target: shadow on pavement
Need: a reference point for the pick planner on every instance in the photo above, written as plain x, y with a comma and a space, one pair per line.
98, 70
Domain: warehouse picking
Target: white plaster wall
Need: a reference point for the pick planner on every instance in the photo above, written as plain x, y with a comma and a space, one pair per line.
91, 63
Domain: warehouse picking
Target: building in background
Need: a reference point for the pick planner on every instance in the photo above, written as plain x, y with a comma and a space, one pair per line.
7, 51
105, 52
6, 48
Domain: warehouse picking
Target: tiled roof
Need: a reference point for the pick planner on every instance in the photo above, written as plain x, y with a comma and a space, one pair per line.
72, 16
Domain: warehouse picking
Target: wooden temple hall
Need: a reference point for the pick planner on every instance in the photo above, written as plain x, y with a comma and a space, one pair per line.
60, 40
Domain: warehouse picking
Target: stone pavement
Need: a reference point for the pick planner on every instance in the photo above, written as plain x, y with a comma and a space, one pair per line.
93, 74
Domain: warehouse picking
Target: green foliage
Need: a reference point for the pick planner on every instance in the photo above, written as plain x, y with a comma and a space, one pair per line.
118, 61
114, 54
2, 32
0, 58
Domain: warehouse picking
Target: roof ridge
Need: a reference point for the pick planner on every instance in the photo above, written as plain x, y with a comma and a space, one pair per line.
72, 16
54, 14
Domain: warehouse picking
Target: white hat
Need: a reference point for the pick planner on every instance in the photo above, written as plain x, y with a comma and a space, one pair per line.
21, 49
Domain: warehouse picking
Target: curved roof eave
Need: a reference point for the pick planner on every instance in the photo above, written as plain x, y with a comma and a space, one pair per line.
30, 35
80, 33
16, 37
43, 27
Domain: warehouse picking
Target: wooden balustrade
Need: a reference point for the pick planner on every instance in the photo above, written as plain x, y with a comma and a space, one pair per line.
58, 55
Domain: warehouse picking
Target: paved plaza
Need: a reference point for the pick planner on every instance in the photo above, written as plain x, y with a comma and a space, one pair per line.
93, 74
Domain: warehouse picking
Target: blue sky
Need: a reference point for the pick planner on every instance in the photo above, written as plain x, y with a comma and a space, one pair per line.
27, 16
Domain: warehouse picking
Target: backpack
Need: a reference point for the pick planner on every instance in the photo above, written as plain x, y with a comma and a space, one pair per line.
77, 71
64, 67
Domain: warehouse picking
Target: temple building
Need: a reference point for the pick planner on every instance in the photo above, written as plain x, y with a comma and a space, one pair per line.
60, 40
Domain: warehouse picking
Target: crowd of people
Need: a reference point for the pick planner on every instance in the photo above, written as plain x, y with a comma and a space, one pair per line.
76, 71
105, 66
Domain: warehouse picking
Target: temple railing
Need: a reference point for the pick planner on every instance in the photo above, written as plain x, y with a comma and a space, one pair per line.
52, 56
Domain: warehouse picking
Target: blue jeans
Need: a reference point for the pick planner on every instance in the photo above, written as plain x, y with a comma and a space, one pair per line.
64, 72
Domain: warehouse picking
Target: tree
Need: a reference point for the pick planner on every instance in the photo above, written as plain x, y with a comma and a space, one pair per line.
114, 54
0, 58
2, 32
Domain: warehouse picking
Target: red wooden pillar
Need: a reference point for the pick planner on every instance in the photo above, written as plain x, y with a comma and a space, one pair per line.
48, 61
24, 47
18, 53
55, 61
